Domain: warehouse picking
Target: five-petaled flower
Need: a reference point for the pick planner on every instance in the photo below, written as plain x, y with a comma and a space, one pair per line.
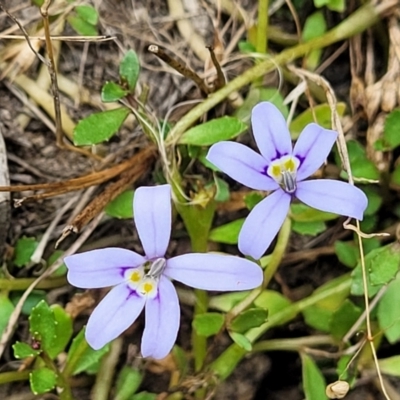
145, 281
282, 169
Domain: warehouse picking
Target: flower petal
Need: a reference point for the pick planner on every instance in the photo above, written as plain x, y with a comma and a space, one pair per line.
100, 268
270, 131
333, 196
162, 321
152, 213
263, 223
312, 148
214, 271
242, 164
114, 314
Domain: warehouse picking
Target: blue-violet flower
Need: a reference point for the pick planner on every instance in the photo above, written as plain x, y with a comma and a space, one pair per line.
145, 281
282, 170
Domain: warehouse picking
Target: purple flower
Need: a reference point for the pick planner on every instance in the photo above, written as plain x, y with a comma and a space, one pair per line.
282, 170
145, 281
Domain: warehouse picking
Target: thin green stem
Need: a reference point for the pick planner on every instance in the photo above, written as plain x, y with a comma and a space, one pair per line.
262, 26
73, 361
14, 376
359, 21
276, 258
225, 364
24, 283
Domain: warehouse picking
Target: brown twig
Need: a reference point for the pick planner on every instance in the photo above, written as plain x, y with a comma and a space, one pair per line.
221, 81
178, 66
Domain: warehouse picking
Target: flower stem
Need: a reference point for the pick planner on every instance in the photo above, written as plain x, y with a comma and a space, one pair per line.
226, 363
24, 283
14, 376
359, 21
276, 258
262, 26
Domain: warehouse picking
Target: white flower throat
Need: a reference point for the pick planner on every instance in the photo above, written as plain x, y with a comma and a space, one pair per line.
144, 279
283, 170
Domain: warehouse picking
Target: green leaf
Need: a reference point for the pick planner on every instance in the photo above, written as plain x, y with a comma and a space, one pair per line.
37, 3
347, 253
122, 206
63, 331
309, 228
42, 326
344, 318
314, 27
390, 366
389, 312
252, 199
81, 26
23, 251
144, 396
251, 318
98, 127
208, 324
322, 115
32, 300
395, 176
225, 302
42, 380
313, 381
6, 309
129, 69
112, 92
88, 359
272, 301
336, 5
224, 128
241, 341
23, 350
391, 130
374, 199
128, 382
227, 233
381, 264
88, 14
223, 193
302, 213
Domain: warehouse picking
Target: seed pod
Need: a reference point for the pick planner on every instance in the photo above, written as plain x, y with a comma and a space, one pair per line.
337, 390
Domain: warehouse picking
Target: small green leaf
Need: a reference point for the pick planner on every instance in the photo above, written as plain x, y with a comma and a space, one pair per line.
112, 92
309, 228
336, 5
129, 69
344, 318
314, 27
391, 130
390, 366
144, 396
224, 128
225, 302
88, 14
251, 318
63, 331
241, 341
81, 26
89, 359
222, 190
98, 127
128, 382
347, 253
122, 206
374, 199
37, 3
32, 300
208, 324
395, 176
313, 381
302, 213
322, 115
23, 350
389, 312
42, 325
252, 199
42, 380
381, 265
23, 251
246, 47
228, 233
6, 309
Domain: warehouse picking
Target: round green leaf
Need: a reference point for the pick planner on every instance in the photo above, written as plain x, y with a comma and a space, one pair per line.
112, 92
208, 324
43, 325
252, 318
129, 69
228, 233
121, 206
23, 350
42, 380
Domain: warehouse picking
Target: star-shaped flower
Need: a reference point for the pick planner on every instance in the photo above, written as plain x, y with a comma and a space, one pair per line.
282, 169
145, 281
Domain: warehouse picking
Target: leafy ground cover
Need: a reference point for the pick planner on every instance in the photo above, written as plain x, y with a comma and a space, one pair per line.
99, 98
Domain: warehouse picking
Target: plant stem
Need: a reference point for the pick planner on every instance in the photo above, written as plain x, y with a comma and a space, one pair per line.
24, 283
357, 22
71, 363
262, 27
296, 344
14, 376
226, 363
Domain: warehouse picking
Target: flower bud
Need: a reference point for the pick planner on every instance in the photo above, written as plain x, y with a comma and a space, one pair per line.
337, 390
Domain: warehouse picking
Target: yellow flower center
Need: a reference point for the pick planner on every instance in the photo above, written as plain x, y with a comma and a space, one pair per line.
283, 171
